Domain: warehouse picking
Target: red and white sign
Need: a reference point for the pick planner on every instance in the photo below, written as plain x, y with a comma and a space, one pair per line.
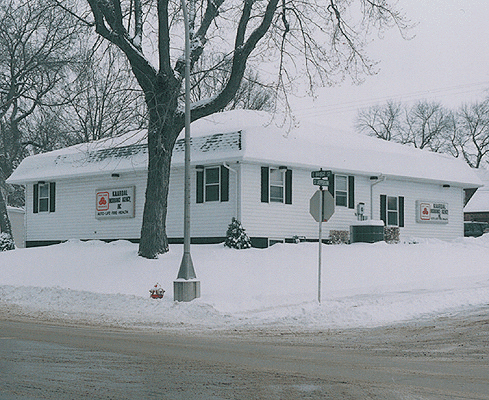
432, 211
424, 211
102, 201
114, 203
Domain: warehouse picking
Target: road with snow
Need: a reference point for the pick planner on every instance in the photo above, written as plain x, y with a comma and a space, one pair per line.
442, 358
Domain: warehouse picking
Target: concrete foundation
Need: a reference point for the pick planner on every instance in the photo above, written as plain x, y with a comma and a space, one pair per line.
186, 290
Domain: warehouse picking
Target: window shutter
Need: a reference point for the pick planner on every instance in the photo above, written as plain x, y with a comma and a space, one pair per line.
401, 212
331, 185
35, 201
351, 192
383, 208
52, 196
200, 187
224, 183
265, 184
288, 186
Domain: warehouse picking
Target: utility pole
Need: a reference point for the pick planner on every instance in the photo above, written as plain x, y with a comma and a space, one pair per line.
186, 287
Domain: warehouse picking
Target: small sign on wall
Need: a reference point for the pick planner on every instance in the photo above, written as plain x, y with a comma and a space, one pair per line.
114, 203
431, 211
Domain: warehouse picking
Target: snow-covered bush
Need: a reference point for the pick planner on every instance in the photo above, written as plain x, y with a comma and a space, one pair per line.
236, 236
392, 234
6, 242
339, 237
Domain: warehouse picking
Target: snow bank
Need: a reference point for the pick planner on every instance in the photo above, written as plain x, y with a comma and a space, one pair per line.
362, 284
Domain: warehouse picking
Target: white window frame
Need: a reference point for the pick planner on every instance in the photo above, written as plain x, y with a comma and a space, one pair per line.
207, 185
43, 199
341, 193
273, 240
276, 184
391, 211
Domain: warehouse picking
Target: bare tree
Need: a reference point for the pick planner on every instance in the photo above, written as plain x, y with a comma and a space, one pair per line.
382, 122
103, 99
212, 72
313, 39
36, 45
473, 132
423, 125
426, 125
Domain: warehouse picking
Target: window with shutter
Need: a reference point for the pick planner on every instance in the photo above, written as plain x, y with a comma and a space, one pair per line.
44, 197
212, 184
392, 210
341, 190
276, 185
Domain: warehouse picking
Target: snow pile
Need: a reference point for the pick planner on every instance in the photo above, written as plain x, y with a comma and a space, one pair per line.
362, 284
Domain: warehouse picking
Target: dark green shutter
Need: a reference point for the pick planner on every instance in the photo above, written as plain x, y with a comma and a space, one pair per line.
401, 212
52, 196
265, 184
383, 208
331, 185
224, 183
288, 186
351, 192
35, 199
200, 187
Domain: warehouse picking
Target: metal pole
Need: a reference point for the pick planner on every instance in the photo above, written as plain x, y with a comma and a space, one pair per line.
321, 203
186, 291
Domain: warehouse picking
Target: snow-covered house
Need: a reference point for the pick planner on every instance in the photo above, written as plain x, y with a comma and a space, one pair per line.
16, 217
244, 165
477, 208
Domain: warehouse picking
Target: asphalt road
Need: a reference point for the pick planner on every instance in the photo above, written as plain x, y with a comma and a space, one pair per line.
444, 358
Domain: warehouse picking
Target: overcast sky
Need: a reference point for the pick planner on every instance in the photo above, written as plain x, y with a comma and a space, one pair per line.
446, 61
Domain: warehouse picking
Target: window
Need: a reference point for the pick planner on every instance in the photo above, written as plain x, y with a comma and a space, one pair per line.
212, 184
392, 210
44, 197
341, 190
276, 185
212, 180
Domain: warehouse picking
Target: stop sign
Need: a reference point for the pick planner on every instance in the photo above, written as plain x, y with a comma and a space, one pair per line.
324, 210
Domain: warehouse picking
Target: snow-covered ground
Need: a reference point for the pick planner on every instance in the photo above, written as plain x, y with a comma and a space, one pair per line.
363, 285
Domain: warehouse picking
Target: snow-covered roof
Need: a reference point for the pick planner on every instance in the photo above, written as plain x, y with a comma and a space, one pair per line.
254, 136
479, 202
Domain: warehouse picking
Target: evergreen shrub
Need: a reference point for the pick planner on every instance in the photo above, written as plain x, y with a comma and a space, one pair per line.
6, 242
236, 237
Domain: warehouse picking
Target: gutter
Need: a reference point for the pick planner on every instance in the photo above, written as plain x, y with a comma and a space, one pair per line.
377, 179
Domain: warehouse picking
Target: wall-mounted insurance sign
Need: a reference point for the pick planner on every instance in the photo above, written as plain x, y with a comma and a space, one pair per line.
114, 203
428, 211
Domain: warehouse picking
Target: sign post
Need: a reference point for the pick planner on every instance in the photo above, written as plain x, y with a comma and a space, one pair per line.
321, 207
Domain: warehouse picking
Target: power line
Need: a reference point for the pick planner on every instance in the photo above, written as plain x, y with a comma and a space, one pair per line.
357, 104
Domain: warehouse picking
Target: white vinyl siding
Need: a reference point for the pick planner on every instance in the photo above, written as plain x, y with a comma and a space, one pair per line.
75, 211
276, 220
75, 208
208, 219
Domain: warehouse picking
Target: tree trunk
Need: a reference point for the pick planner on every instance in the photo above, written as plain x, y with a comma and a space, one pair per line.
153, 232
162, 134
5, 226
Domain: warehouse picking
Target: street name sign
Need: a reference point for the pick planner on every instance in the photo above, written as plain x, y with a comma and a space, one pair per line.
321, 174
320, 182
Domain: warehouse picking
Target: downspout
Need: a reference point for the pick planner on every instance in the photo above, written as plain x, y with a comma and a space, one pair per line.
238, 190
378, 179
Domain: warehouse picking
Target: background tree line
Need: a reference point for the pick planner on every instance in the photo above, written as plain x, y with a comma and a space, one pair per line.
463, 132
